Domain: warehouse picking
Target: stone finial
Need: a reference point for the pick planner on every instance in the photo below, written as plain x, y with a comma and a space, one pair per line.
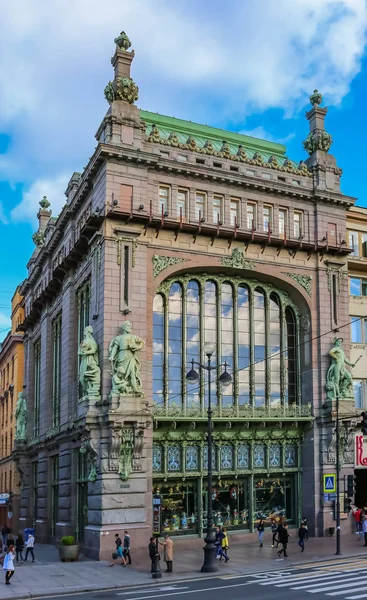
122, 41
318, 141
316, 98
44, 203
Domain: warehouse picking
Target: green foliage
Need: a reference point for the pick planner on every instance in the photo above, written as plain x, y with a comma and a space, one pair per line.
68, 540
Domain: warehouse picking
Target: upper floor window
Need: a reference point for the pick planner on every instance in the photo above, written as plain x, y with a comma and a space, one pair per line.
163, 199
297, 224
234, 212
283, 217
358, 330
182, 204
357, 286
217, 209
359, 389
267, 218
251, 216
200, 202
37, 387
358, 242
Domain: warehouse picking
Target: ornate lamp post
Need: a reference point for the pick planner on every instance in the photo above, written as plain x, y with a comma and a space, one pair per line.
337, 505
209, 564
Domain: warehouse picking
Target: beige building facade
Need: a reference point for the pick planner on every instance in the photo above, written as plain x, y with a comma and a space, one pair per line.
193, 235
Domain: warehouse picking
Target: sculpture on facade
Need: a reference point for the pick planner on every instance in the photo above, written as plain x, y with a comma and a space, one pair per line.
338, 378
21, 418
122, 353
89, 370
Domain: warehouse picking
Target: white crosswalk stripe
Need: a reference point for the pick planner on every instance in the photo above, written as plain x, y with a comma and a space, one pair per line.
344, 580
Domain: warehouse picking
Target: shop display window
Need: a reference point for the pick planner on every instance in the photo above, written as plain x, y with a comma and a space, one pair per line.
179, 508
274, 498
230, 505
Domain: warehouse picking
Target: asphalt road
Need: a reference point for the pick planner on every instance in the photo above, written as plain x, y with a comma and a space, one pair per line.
343, 579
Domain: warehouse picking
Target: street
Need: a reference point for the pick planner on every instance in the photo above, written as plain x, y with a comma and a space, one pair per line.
344, 579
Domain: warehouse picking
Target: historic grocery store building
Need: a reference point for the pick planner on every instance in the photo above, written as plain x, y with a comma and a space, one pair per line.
192, 234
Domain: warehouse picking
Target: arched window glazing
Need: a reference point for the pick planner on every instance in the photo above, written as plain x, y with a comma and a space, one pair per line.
255, 329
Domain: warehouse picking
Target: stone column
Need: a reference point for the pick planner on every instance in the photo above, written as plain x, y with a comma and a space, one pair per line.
66, 493
42, 492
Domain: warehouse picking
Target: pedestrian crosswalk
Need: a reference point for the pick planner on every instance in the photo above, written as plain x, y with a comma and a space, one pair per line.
344, 580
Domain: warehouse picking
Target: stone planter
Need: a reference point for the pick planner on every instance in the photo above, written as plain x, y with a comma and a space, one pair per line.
69, 553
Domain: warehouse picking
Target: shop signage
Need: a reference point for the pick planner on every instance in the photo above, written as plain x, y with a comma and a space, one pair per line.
360, 451
156, 520
4, 497
329, 483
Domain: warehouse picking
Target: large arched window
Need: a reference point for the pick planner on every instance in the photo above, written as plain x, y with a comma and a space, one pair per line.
255, 329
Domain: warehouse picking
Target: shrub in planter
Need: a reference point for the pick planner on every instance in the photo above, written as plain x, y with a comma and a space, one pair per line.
68, 550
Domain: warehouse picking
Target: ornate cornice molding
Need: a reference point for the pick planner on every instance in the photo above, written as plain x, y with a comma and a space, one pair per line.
304, 281
163, 262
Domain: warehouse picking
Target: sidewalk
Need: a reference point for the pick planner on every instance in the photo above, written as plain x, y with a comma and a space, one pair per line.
48, 576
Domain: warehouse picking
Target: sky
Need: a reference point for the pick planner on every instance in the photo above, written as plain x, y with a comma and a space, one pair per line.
242, 65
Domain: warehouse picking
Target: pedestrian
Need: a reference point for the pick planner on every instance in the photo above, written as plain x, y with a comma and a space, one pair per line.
302, 536
119, 551
10, 540
19, 547
274, 531
127, 547
8, 564
168, 552
358, 519
283, 536
4, 534
225, 545
152, 549
260, 530
29, 547
364, 529
218, 542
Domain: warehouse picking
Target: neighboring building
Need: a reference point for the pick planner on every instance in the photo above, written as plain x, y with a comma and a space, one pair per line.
11, 383
194, 235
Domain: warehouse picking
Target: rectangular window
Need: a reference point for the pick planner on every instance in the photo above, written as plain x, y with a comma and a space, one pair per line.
357, 286
267, 218
35, 492
217, 209
182, 204
56, 371
282, 222
217, 164
182, 157
356, 330
83, 299
251, 216
353, 242
364, 244
200, 201
163, 199
297, 225
234, 213
358, 393
126, 274
37, 388
54, 493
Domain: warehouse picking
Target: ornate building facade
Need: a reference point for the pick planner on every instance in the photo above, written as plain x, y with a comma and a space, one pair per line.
183, 234
11, 384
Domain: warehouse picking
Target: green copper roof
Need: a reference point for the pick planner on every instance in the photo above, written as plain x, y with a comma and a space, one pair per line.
202, 134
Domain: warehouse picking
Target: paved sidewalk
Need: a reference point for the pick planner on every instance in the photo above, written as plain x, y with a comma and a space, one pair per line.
48, 576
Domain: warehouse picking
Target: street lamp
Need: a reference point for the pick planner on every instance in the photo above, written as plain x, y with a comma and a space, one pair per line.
225, 379
337, 506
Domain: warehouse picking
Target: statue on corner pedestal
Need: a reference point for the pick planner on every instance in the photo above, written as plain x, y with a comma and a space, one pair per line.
338, 379
20, 415
122, 353
89, 370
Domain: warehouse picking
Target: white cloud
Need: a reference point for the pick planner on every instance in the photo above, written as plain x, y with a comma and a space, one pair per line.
54, 189
260, 132
3, 218
215, 64
5, 324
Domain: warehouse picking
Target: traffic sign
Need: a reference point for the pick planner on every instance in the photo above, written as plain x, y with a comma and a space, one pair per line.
329, 483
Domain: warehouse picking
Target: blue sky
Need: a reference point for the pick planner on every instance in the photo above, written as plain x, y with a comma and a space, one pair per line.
242, 65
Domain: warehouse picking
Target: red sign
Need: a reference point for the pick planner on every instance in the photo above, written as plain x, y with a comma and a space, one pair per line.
360, 450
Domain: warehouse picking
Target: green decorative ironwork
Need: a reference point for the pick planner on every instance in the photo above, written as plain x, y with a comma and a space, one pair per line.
195, 144
163, 262
304, 281
237, 260
123, 88
39, 237
319, 140
122, 41
316, 98
248, 412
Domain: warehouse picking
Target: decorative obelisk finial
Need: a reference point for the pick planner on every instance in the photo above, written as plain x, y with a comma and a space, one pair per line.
318, 138
122, 87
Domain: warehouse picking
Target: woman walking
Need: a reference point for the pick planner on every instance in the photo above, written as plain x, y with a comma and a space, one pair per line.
8, 564
260, 530
19, 547
168, 552
283, 536
274, 531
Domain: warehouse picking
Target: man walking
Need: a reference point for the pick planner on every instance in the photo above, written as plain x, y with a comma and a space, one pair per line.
29, 547
283, 536
302, 536
4, 534
127, 547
